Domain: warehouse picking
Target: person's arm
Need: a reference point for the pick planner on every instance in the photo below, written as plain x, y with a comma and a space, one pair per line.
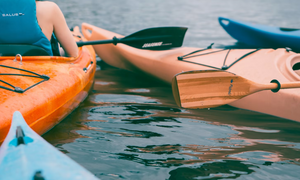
62, 32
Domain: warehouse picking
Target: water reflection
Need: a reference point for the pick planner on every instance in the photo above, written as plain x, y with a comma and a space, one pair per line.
214, 170
116, 111
152, 119
120, 98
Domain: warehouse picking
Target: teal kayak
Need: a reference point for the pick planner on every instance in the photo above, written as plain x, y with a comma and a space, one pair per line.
24, 155
262, 36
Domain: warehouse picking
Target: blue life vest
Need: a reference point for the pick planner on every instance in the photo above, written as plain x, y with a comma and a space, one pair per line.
19, 25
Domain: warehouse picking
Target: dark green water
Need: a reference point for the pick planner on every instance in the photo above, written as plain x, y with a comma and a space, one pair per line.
130, 127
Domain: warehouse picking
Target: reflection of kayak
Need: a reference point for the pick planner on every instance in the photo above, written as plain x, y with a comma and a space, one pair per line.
260, 66
261, 35
44, 89
25, 155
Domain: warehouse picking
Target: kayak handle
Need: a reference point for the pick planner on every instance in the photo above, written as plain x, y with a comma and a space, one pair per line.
38, 176
20, 136
224, 21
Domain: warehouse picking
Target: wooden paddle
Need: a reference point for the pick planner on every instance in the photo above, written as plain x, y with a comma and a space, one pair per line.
159, 38
212, 88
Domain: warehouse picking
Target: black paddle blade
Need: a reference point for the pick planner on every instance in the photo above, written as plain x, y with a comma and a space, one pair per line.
158, 38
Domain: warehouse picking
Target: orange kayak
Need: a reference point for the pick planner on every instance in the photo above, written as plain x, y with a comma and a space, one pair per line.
257, 65
44, 89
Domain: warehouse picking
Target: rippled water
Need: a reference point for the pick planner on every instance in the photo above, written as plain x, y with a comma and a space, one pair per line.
130, 127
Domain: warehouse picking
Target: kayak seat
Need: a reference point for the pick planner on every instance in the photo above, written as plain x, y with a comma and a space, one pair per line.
22, 49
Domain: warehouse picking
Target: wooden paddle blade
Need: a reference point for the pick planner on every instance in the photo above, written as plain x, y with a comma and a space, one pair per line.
210, 88
158, 38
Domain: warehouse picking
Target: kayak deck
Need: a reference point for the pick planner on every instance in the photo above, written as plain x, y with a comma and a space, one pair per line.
257, 65
25, 155
49, 100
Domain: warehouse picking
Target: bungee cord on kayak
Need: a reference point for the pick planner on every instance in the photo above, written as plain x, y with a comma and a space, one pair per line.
186, 56
18, 89
224, 67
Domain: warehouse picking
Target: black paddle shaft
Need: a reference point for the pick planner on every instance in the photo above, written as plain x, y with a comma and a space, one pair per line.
158, 38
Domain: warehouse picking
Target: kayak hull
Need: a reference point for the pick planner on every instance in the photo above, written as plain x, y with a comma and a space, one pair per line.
262, 36
48, 102
33, 157
259, 66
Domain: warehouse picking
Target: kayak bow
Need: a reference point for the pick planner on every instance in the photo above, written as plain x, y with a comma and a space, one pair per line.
27, 156
262, 36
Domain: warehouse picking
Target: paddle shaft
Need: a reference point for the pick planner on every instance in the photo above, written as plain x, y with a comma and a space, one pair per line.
275, 87
83, 43
287, 85
115, 41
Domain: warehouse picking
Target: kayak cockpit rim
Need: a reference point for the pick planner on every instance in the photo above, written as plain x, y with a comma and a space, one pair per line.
45, 58
292, 65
